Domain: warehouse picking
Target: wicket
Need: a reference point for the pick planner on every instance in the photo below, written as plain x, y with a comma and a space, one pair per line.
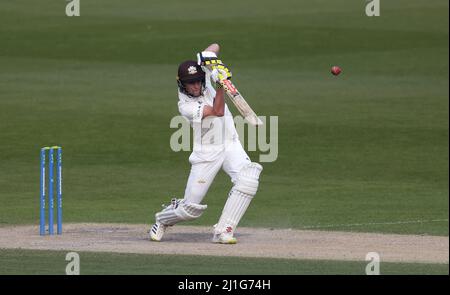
50, 190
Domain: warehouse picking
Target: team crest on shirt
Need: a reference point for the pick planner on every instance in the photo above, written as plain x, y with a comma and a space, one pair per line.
192, 70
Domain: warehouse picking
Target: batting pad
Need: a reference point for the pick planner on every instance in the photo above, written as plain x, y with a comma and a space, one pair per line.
233, 211
248, 179
180, 211
239, 198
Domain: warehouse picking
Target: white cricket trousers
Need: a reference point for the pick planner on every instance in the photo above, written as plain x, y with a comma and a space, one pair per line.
203, 173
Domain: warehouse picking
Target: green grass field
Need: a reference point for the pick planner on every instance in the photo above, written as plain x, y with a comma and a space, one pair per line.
369, 147
91, 263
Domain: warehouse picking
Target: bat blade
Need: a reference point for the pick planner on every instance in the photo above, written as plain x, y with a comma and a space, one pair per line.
241, 104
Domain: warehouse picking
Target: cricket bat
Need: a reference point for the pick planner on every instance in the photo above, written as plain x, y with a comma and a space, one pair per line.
241, 104
238, 100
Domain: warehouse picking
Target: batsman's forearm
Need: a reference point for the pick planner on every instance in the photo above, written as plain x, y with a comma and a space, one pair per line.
214, 48
219, 103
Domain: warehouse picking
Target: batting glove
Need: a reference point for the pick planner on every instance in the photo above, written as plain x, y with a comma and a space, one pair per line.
209, 59
218, 75
206, 58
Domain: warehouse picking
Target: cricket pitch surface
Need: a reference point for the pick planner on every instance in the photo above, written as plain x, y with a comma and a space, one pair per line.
252, 242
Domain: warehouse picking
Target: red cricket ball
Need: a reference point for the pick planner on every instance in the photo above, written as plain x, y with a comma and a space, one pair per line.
335, 70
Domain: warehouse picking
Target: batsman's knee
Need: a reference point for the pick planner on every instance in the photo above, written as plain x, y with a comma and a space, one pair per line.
247, 180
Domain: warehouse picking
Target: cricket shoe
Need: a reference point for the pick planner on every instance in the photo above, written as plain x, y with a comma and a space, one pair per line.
157, 231
224, 238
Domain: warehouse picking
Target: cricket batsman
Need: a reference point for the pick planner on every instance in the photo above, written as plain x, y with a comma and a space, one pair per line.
216, 146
